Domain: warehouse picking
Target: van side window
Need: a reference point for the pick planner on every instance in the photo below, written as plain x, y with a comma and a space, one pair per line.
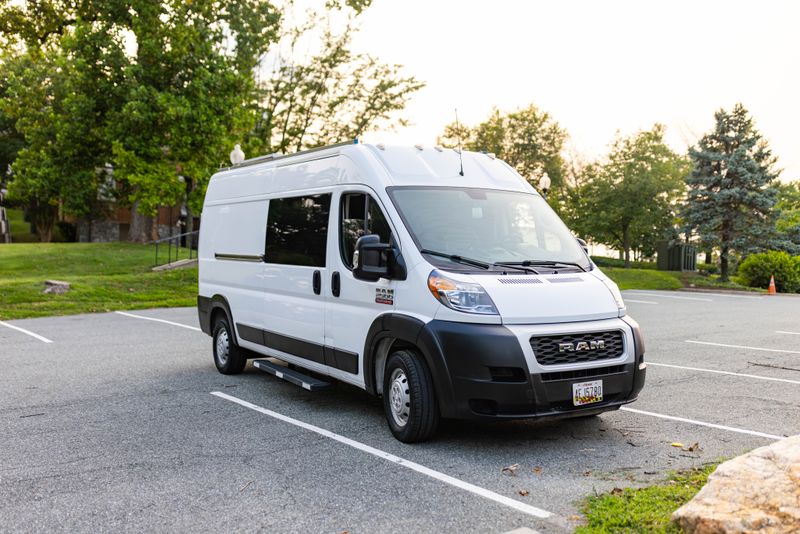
360, 215
297, 230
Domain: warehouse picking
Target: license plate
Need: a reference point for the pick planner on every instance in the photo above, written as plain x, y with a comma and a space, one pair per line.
587, 392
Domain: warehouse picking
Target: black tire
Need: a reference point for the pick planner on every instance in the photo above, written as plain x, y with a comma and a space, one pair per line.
406, 370
228, 357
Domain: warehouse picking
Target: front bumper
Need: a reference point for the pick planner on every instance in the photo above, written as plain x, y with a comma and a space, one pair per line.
489, 371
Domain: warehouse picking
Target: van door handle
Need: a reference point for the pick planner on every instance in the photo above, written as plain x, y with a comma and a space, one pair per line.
317, 282
336, 283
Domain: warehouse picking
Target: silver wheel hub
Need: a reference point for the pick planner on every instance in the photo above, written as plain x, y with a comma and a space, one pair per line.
399, 398
223, 346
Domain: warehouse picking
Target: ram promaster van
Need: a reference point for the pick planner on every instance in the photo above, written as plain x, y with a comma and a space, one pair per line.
437, 279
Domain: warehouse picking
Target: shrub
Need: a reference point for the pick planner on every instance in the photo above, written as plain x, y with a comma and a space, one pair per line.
602, 261
756, 270
707, 268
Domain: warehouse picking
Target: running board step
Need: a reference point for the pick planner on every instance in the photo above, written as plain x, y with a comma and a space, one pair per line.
290, 375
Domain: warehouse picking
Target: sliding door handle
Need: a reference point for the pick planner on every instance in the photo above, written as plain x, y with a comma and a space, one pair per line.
317, 282
336, 283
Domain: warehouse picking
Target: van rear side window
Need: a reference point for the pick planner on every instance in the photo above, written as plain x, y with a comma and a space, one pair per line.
297, 230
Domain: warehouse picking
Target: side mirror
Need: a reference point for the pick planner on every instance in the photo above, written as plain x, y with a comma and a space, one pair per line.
373, 260
583, 245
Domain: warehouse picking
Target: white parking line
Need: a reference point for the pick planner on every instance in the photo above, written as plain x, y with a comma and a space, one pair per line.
158, 320
724, 373
641, 301
700, 299
701, 423
785, 332
740, 347
37, 336
447, 479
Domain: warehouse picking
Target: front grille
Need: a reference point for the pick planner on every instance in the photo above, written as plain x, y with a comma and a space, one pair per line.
585, 347
582, 373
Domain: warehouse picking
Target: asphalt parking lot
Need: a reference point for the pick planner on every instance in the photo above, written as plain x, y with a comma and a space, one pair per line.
113, 422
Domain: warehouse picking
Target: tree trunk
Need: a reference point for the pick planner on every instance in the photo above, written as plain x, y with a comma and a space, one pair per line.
708, 256
144, 228
44, 218
723, 263
626, 245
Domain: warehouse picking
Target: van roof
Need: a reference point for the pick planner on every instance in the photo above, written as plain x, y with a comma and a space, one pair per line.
394, 165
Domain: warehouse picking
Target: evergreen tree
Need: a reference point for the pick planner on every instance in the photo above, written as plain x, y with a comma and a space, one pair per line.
731, 192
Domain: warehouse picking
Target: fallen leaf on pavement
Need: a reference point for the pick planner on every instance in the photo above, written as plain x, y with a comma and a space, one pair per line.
511, 469
678, 444
537, 470
587, 473
616, 491
694, 448
523, 493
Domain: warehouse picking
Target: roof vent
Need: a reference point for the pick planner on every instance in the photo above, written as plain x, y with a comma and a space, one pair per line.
438, 148
491, 155
419, 147
381, 146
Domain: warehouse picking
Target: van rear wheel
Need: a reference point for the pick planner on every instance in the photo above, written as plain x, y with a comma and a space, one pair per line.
408, 397
228, 357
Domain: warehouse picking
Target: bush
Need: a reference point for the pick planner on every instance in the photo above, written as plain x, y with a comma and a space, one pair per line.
755, 271
707, 268
602, 261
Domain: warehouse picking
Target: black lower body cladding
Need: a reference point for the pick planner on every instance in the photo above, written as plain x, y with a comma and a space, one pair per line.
480, 372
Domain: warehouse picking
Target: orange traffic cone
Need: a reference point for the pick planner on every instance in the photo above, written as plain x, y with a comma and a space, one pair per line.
771, 289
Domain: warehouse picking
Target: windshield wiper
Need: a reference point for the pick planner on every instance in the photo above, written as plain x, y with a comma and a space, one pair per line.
477, 263
458, 259
547, 263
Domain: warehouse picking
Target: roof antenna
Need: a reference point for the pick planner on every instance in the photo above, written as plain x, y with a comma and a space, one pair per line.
458, 136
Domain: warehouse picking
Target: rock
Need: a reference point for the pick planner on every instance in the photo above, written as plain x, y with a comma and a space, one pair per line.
756, 492
57, 287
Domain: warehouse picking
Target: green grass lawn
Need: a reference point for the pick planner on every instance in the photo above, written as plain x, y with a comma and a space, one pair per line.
104, 277
644, 509
642, 278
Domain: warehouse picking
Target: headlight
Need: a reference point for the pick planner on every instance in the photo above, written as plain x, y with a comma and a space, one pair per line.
616, 294
465, 297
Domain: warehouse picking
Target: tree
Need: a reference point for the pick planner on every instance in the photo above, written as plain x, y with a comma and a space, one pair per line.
629, 201
731, 193
787, 208
162, 90
330, 97
528, 139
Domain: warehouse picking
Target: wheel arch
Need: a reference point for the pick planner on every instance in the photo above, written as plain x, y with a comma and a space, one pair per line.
393, 331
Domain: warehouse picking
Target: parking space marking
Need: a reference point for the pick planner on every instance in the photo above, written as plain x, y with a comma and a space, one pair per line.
447, 479
28, 332
158, 320
702, 423
785, 332
699, 299
641, 301
724, 372
740, 347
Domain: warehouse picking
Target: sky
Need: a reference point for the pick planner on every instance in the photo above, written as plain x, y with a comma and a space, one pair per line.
598, 67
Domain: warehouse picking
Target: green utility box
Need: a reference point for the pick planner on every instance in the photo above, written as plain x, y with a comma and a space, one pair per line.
676, 257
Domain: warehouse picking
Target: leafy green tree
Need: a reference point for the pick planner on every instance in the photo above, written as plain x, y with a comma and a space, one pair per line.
787, 207
731, 188
528, 139
164, 89
630, 200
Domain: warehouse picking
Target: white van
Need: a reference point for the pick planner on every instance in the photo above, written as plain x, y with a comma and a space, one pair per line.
441, 281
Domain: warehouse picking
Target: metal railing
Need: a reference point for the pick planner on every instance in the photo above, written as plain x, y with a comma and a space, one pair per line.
184, 240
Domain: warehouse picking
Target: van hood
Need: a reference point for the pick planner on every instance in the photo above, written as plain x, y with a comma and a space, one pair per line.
556, 298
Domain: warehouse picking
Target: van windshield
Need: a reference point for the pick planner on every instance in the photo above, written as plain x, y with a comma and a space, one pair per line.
487, 225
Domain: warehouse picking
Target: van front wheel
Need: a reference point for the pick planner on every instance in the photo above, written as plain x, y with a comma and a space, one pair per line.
227, 356
408, 397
